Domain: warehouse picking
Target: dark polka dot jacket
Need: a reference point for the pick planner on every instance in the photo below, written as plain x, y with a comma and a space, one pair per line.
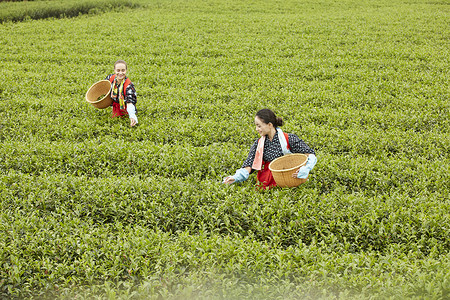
272, 149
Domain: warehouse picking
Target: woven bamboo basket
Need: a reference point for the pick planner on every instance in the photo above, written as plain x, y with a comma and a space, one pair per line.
283, 167
102, 87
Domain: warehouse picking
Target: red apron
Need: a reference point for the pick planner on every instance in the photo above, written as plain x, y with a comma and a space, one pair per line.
116, 111
265, 177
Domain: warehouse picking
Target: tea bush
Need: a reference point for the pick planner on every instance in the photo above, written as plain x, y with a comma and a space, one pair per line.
24, 10
91, 208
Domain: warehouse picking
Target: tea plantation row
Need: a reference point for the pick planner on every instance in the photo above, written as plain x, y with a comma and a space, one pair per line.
72, 230
26, 10
355, 173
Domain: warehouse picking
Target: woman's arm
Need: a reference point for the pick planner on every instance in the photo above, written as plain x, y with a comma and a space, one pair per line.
304, 170
240, 175
131, 109
130, 94
299, 146
131, 99
251, 155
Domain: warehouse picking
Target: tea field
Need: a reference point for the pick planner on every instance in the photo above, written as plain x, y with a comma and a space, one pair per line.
91, 208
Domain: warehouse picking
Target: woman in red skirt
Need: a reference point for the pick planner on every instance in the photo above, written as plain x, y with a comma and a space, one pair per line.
123, 93
272, 144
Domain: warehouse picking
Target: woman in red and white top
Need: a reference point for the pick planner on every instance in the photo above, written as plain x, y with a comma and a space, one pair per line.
123, 93
272, 144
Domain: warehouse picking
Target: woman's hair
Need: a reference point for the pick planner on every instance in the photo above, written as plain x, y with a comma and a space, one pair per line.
268, 116
120, 62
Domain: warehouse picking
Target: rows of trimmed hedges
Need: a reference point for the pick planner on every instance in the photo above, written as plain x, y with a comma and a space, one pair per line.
91, 208
344, 222
35, 10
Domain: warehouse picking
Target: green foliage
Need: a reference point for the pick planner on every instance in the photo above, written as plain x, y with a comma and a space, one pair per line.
36, 10
91, 208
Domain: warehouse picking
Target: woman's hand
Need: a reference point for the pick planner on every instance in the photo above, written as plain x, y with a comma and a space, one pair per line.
228, 180
303, 172
131, 109
240, 175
